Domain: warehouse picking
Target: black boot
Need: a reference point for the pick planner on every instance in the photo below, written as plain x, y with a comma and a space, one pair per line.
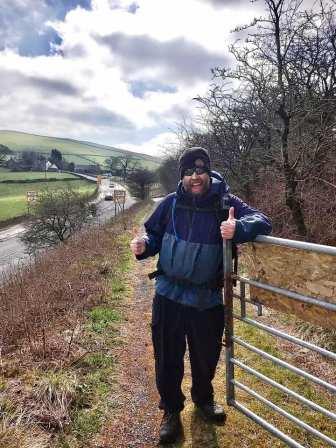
171, 427
212, 412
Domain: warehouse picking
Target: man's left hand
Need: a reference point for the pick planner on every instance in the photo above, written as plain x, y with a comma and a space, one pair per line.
228, 227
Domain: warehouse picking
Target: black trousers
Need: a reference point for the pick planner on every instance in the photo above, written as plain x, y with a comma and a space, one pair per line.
173, 325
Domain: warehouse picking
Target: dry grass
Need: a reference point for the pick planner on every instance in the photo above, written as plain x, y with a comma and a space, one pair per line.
15, 430
54, 394
45, 301
323, 337
20, 436
54, 365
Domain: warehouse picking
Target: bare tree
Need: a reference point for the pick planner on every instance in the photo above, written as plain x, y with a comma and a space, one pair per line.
285, 99
4, 153
236, 136
127, 165
168, 173
113, 164
140, 181
57, 214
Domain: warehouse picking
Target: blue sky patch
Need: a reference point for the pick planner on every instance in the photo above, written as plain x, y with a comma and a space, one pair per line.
133, 8
62, 7
139, 88
30, 35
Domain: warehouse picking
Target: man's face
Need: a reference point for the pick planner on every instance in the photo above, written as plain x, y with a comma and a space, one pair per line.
196, 183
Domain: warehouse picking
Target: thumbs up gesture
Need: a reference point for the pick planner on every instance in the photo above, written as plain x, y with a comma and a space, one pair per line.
228, 227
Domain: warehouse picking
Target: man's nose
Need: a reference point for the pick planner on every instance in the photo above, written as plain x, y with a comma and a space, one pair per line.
194, 175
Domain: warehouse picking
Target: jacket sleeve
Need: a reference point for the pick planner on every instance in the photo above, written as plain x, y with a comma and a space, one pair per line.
250, 221
155, 227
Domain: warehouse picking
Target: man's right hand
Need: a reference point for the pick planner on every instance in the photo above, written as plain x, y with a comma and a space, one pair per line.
138, 246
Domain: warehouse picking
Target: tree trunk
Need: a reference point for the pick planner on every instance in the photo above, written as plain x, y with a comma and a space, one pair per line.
295, 206
292, 201
291, 198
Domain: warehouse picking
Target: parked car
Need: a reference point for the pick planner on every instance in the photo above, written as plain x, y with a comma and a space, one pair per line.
108, 197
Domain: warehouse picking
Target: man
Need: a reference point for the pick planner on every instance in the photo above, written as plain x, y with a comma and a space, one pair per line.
187, 230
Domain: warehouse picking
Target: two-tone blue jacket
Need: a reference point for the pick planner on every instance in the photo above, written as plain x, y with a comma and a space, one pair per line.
185, 231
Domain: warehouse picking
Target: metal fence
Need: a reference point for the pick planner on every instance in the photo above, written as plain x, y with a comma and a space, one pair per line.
231, 341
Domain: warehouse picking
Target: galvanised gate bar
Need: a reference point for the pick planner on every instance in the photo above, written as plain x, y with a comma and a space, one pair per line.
231, 341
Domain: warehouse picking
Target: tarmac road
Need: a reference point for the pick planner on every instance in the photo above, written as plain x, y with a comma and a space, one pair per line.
11, 247
12, 250
106, 209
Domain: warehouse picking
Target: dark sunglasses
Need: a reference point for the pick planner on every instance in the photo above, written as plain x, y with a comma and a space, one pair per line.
197, 169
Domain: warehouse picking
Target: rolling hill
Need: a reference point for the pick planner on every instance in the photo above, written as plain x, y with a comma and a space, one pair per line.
76, 151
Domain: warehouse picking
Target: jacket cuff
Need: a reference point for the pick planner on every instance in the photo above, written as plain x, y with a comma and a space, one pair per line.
146, 254
239, 234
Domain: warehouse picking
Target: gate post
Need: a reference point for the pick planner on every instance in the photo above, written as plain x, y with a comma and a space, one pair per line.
228, 319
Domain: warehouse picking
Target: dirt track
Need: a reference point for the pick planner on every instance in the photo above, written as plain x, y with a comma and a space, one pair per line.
136, 419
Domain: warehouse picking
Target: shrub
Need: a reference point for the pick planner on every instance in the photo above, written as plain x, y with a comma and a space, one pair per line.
57, 214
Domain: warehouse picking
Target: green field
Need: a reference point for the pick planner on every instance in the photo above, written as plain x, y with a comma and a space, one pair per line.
13, 196
78, 152
24, 175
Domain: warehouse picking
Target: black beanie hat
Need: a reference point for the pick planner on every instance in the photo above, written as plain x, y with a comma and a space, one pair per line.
187, 160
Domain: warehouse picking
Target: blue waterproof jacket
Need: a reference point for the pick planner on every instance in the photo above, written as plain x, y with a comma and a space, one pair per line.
185, 231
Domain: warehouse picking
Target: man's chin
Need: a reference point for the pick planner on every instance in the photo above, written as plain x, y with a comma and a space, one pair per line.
197, 191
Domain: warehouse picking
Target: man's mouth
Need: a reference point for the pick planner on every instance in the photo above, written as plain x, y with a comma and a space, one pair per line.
196, 187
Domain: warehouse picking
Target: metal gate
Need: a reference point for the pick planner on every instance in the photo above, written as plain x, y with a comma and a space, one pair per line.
231, 341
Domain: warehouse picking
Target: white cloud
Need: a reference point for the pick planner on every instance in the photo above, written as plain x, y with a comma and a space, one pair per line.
157, 145
122, 76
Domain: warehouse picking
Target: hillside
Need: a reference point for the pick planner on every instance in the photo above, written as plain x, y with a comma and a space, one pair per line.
78, 152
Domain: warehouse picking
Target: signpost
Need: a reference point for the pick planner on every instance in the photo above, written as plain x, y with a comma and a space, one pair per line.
31, 197
119, 197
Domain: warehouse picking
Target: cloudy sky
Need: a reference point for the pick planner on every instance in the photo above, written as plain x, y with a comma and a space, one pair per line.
116, 72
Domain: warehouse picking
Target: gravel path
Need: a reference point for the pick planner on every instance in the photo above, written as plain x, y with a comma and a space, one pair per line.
136, 419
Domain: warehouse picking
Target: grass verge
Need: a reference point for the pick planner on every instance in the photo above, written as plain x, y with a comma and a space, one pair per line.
239, 431
286, 378
66, 393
